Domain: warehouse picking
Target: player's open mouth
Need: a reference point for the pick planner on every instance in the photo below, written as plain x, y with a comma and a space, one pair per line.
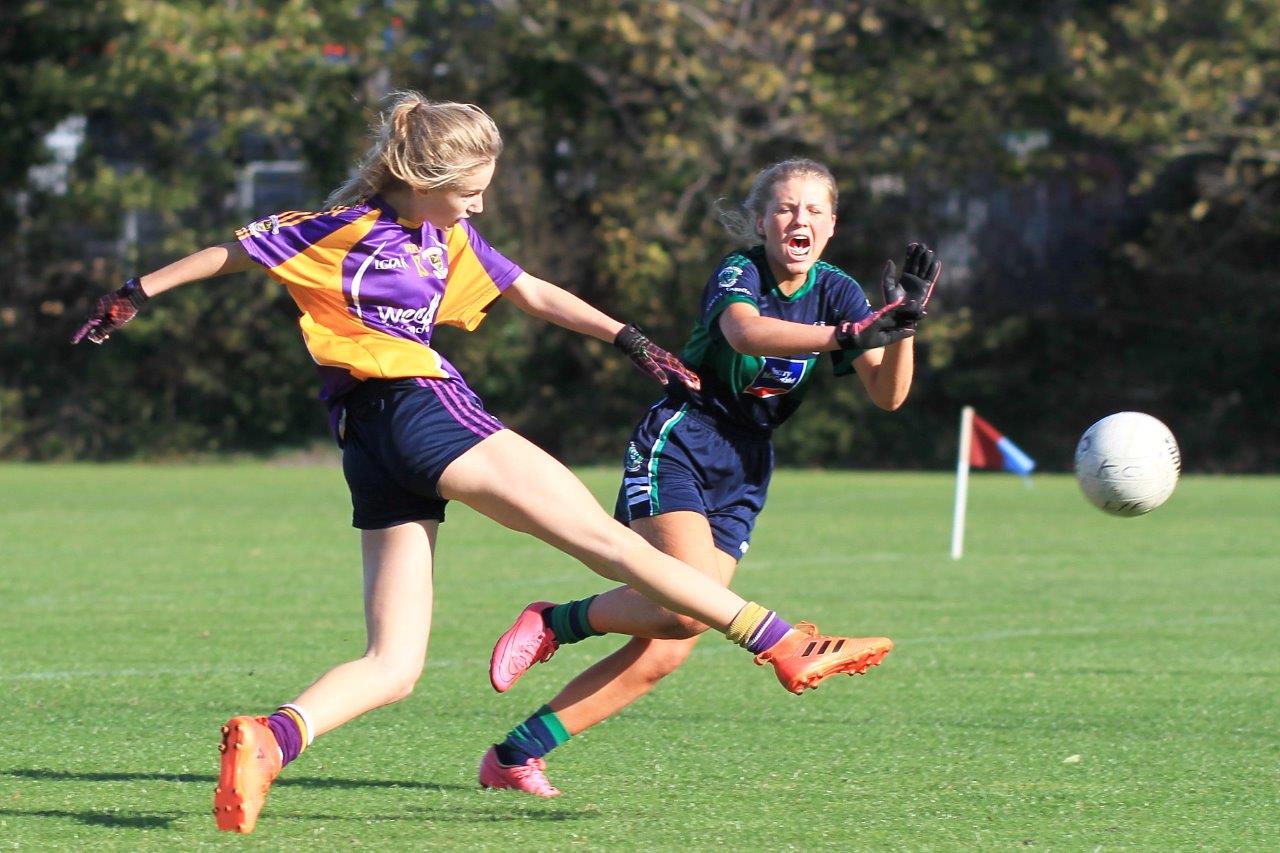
798, 247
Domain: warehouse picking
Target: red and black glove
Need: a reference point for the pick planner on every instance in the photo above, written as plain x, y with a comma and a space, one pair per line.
112, 311
878, 330
914, 287
653, 360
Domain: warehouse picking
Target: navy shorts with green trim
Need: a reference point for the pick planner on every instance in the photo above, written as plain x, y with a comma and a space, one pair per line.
398, 437
682, 458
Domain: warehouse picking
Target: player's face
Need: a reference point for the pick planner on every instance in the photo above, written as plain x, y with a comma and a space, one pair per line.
445, 207
798, 221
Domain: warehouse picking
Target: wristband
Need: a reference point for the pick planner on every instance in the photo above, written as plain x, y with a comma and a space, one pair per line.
628, 337
132, 291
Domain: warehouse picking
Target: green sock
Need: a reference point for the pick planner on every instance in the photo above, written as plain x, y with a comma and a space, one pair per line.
533, 738
569, 621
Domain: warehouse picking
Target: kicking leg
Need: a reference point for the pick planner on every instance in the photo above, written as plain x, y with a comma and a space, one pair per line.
519, 485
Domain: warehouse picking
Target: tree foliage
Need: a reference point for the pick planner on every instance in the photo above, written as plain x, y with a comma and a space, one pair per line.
1100, 178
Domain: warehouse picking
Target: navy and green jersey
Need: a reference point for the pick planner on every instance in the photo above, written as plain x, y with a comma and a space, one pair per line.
760, 392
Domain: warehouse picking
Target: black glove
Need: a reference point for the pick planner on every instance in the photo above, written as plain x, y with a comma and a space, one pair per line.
915, 286
652, 359
112, 311
879, 330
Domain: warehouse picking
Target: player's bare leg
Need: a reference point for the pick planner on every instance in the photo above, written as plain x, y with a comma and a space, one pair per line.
516, 483
397, 613
398, 597
624, 676
614, 682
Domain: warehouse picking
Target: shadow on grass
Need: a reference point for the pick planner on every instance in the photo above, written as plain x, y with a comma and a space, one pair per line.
209, 778
502, 811
498, 813
498, 806
121, 821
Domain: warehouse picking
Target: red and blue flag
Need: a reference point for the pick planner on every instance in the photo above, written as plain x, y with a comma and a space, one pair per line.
989, 448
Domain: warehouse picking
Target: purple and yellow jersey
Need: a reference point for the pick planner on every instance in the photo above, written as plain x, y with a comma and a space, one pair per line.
372, 287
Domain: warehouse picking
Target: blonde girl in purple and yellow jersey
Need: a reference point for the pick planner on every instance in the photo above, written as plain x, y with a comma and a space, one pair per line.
393, 256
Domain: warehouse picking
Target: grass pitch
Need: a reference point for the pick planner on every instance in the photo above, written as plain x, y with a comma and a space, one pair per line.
1075, 682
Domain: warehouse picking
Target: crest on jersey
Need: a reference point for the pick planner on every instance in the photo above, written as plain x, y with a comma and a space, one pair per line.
435, 257
270, 225
728, 276
634, 461
778, 376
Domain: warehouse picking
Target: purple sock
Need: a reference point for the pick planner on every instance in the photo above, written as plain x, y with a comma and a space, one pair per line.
767, 634
287, 735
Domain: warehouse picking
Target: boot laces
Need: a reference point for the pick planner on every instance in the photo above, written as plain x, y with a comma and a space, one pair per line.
531, 772
539, 651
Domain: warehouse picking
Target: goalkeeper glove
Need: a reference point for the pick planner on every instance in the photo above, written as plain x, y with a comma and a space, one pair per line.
878, 330
112, 311
652, 359
915, 286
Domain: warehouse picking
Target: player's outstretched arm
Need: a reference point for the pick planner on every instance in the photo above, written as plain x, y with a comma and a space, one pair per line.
552, 303
118, 307
751, 334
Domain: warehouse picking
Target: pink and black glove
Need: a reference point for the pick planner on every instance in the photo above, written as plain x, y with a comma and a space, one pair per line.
112, 311
653, 360
914, 287
878, 330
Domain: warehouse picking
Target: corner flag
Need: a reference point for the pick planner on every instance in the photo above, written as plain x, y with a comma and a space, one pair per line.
990, 449
982, 446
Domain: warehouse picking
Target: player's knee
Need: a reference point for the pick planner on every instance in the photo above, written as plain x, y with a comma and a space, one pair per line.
661, 659
399, 691
398, 677
677, 626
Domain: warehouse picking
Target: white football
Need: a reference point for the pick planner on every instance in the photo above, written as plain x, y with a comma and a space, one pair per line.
1127, 463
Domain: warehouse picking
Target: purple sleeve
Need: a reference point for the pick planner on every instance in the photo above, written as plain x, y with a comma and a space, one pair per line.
277, 238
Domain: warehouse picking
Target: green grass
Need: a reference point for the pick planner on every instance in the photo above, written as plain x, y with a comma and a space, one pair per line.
1076, 682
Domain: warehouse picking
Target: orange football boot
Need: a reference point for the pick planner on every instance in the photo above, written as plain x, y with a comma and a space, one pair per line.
803, 658
250, 762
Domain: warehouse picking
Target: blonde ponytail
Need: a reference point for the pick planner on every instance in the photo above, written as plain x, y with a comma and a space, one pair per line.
424, 144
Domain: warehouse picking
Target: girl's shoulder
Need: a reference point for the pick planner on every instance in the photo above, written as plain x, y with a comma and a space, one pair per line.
743, 258
829, 274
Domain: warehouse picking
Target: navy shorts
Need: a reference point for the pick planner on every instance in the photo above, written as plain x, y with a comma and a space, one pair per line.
681, 458
398, 437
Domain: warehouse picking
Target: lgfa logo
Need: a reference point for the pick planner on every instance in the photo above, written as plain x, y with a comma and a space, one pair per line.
390, 264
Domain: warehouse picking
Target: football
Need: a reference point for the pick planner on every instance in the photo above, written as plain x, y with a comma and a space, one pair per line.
1127, 464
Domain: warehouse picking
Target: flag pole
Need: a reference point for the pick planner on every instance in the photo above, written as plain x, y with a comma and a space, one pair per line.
962, 482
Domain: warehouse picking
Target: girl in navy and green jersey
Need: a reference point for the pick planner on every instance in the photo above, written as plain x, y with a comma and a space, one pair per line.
393, 256
696, 469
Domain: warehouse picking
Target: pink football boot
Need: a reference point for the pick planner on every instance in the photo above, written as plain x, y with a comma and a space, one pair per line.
527, 777
525, 643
